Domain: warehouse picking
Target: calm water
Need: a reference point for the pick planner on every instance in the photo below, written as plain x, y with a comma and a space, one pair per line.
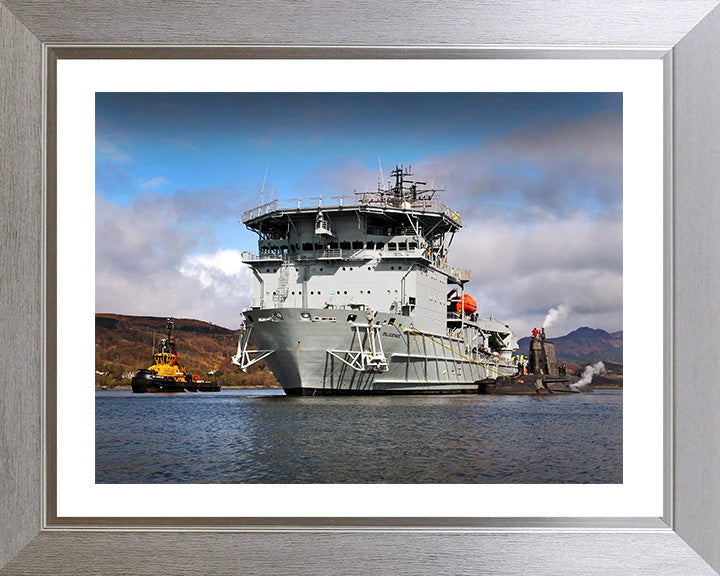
263, 436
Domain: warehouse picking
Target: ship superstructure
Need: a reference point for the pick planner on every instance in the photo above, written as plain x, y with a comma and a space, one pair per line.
354, 294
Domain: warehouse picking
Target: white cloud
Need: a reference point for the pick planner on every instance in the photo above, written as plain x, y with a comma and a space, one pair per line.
521, 272
110, 151
223, 272
153, 183
147, 266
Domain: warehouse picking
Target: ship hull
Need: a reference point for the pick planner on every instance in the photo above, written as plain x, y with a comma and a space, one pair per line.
147, 382
313, 355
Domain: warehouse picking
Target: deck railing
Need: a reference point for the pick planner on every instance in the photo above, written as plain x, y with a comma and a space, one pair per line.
365, 199
461, 274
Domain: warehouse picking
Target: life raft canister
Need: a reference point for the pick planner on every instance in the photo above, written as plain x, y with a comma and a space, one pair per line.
469, 304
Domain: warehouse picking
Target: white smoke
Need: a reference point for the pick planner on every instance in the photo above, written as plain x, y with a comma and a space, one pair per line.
587, 376
556, 315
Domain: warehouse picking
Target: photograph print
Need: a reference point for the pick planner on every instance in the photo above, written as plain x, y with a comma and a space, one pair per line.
356, 288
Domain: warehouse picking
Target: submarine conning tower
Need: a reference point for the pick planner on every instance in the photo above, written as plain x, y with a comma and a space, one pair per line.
543, 359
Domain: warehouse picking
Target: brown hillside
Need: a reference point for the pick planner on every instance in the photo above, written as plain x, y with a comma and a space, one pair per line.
123, 344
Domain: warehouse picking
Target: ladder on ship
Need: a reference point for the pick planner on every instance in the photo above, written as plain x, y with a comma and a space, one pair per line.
282, 286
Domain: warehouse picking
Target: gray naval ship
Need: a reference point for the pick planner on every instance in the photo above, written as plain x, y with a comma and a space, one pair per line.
354, 295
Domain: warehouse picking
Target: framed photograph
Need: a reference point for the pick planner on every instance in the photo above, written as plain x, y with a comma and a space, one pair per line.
547, 249
69, 510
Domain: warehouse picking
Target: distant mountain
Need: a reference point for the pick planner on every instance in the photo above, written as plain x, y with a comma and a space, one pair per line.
585, 345
125, 343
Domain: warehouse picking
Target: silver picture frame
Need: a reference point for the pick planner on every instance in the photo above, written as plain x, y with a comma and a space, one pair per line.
683, 33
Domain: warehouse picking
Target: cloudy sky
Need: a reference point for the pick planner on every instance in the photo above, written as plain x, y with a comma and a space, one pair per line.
536, 177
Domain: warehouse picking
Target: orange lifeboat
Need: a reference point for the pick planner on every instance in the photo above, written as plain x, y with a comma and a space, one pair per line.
467, 302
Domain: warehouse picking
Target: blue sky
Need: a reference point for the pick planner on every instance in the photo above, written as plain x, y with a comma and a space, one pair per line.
537, 177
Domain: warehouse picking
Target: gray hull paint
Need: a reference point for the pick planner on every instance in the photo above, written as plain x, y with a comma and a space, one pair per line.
417, 363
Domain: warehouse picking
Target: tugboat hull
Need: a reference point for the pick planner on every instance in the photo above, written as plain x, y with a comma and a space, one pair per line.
147, 382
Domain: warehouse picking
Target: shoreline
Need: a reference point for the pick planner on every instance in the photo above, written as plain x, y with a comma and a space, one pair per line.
128, 387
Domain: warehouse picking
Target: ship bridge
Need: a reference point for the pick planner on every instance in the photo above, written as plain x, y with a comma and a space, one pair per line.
383, 250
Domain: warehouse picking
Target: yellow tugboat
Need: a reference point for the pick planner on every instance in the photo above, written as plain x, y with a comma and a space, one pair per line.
166, 374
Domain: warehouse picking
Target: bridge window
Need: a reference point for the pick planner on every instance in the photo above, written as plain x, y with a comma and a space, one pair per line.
371, 245
357, 245
344, 245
